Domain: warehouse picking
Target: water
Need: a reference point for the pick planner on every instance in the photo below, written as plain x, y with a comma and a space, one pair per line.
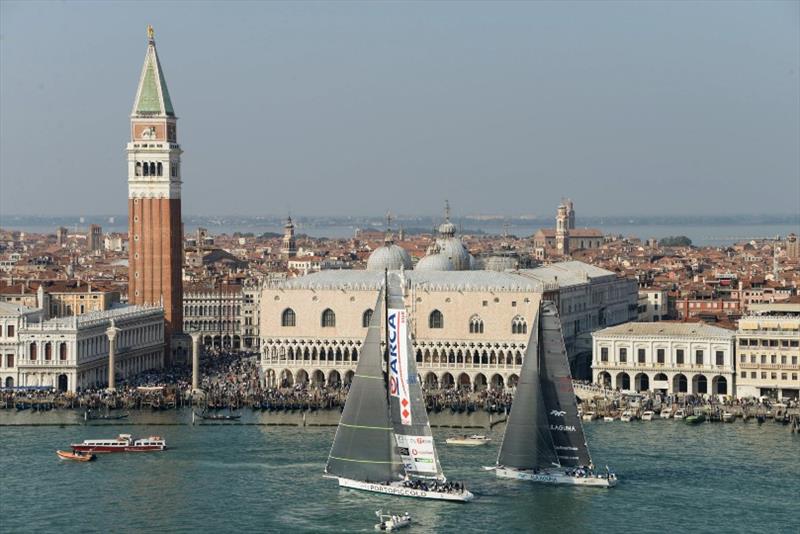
238, 477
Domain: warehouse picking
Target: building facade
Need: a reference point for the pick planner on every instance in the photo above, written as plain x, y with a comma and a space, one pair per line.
154, 197
768, 352
72, 353
215, 312
669, 358
12, 319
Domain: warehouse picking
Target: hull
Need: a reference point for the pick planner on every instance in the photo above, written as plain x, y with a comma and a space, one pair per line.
467, 442
114, 448
554, 477
396, 488
67, 455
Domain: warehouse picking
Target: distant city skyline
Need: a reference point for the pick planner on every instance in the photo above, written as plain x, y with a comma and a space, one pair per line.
354, 108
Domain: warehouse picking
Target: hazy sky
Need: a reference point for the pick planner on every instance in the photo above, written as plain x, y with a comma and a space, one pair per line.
337, 108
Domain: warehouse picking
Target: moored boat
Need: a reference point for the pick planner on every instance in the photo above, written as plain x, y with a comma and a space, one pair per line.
695, 419
680, 414
469, 441
648, 415
666, 413
76, 456
122, 443
627, 416
589, 416
728, 417
609, 418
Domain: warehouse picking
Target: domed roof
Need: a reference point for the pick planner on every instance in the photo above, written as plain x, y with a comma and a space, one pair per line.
500, 263
447, 229
453, 248
435, 262
389, 256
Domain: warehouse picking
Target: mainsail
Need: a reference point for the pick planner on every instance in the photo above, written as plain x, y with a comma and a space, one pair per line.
527, 442
364, 448
407, 405
559, 396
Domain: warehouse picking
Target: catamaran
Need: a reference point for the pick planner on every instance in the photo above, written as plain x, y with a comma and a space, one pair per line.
384, 442
544, 439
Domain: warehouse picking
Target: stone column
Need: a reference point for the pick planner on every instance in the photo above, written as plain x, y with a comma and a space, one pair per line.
111, 332
195, 361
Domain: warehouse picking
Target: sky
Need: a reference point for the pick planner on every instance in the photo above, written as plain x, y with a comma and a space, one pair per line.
335, 108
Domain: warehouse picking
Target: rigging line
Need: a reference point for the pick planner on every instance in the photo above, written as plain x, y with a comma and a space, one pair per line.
365, 461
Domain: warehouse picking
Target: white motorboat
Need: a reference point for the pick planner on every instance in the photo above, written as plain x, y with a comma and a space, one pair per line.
589, 416
391, 522
469, 441
680, 414
609, 418
666, 413
728, 417
570, 477
627, 416
649, 415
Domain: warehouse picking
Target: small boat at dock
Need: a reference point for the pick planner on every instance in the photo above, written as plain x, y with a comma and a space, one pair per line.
695, 419
609, 418
728, 417
627, 416
648, 415
680, 414
76, 456
589, 416
666, 413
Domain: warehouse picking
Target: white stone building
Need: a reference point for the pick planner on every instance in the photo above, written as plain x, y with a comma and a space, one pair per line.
12, 319
72, 353
667, 357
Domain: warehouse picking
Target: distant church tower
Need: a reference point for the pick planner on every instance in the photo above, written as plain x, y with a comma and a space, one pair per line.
562, 229
155, 231
289, 248
570, 214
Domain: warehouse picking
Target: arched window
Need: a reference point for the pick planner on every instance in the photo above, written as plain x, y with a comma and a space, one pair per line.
48, 351
328, 318
366, 318
475, 325
33, 351
519, 325
146, 169
138, 168
62, 352
152, 168
288, 317
159, 169
436, 319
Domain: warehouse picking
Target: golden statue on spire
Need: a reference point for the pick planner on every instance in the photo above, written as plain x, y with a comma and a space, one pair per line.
150, 32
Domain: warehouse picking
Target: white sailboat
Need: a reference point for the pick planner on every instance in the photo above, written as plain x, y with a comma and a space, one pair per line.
384, 442
544, 440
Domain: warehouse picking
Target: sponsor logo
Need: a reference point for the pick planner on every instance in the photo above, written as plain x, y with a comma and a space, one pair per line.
562, 448
398, 366
558, 413
563, 428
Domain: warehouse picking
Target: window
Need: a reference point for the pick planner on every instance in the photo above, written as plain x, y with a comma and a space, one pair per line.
604, 354
772, 359
436, 319
288, 317
660, 355
744, 374
641, 355
679, 356
475, 325
62, 352
752, 374
743, 358
783, 376
10, 330
366, 318
623, 355
720, 355
9, 360
698, 357
519, 325
48, 351
763, 358
328, 318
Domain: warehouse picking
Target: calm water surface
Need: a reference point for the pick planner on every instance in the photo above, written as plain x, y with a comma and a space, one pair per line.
239, 477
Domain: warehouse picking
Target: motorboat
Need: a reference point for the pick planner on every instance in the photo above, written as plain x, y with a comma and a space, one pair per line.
695, 419
469, 441
627, 416
728, 417
666, 413
680, 414
649, 415
391, 522
76, 456
122, 443
609, 418
589, 416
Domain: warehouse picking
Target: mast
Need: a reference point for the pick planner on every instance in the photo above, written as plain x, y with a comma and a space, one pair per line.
386, 337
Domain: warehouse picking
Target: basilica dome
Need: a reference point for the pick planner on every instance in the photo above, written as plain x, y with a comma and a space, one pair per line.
389, 256
435, 262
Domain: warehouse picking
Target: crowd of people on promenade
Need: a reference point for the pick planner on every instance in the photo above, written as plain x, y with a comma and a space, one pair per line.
231, 379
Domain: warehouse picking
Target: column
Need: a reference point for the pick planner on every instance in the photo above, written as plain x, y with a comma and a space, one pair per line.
195, 361
111, 332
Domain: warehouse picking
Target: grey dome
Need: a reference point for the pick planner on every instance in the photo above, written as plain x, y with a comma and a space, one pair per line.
500, 263
454, 249
447, 229
389, 256
435, 262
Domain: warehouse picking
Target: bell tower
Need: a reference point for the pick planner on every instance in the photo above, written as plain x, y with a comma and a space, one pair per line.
155, 258
562, 230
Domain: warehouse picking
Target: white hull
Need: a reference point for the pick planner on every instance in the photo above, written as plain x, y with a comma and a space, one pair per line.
397, 488
467, 442
554, 477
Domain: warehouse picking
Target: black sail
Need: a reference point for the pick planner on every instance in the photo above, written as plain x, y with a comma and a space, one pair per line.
527, 442
415, 440
363, 448
559, 396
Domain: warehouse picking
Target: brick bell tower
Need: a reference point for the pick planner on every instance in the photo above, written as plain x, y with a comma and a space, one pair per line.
155, 257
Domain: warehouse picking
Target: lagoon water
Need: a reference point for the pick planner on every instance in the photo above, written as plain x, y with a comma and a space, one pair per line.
250, 477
